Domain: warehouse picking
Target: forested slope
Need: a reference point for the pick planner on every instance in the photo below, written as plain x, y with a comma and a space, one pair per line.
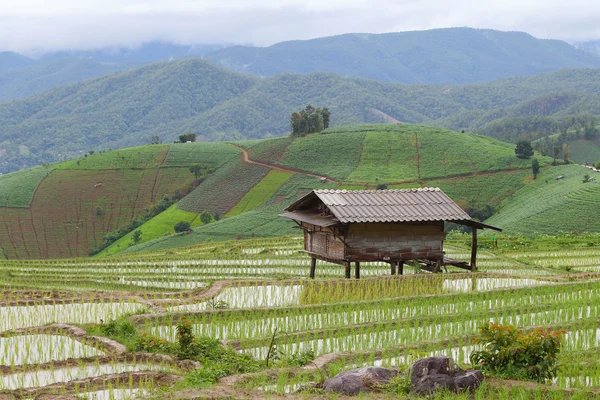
168, 99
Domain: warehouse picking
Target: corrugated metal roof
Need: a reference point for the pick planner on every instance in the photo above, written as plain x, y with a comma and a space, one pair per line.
311, 218
400, 205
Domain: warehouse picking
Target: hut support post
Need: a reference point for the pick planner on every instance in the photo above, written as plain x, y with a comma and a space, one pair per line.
393, 267
347, 269
401, 267
474, 251
313, 267
357, 270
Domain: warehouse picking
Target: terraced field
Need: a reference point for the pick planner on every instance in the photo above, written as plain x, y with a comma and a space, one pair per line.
58, 335
542, 205
67, 209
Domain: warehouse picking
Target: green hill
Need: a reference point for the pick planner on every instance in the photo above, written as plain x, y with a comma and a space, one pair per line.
167, 99
67, 209
549, 205
446, 56
476, 171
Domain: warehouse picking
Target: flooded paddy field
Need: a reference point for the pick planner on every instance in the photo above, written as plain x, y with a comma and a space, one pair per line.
255, 295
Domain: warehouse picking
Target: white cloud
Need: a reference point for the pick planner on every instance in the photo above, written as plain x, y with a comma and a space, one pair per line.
37, 25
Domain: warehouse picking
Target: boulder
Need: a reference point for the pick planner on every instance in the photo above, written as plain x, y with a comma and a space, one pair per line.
353, 382
438, 373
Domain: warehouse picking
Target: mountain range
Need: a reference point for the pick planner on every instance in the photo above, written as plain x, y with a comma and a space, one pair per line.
445, 56
170, 98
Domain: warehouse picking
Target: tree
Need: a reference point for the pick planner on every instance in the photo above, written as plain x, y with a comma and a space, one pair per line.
197, 170
137, 237
326, 117
555, 154
565, 151
590, 131
182, 226
524, 149
309, 120
535, 167
155, 139
381, 186
187, 137
205, 217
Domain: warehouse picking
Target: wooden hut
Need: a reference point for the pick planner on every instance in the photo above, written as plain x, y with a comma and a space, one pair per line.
395, 226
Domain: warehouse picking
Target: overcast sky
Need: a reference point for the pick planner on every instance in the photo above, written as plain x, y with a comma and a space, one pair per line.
30, 26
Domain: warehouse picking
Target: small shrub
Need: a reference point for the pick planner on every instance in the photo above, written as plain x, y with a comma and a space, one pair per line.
182, 226
121, 328
512, 353
300, 358
586, 178
153, 344
400, 384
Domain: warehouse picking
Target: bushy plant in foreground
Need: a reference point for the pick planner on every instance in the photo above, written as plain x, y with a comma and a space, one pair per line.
512, 353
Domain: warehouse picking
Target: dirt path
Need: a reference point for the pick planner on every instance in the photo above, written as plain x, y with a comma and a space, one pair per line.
246, 159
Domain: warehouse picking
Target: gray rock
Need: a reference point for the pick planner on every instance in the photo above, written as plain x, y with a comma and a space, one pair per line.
436, 373
468, 380
359, 380
431, 383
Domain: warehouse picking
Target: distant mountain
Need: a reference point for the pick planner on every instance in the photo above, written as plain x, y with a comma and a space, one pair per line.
40, 76
21, 76
446, 56
10, 60
171, 98
592, 46
137, 56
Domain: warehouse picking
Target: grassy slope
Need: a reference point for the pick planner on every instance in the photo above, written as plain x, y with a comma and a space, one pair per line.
81, 200
17, 188
62, 219
548, 205
464, 165
159, 226
582, 150
261, 192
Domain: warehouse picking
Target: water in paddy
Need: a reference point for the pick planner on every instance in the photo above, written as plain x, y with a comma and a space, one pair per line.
38, 349
483, 284
250, 297
47, 377
14, 317
114, 394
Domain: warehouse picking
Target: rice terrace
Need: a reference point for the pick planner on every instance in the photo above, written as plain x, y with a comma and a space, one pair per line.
104, 297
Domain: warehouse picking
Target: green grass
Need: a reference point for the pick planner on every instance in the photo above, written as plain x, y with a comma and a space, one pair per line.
548, 205
157, 227
244, 226
213, 154
480, 190
390, 155
330, 155
224, 188
17, 188
582, 150
135, 157
261, 192
386, 157
261, 222
269, 150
